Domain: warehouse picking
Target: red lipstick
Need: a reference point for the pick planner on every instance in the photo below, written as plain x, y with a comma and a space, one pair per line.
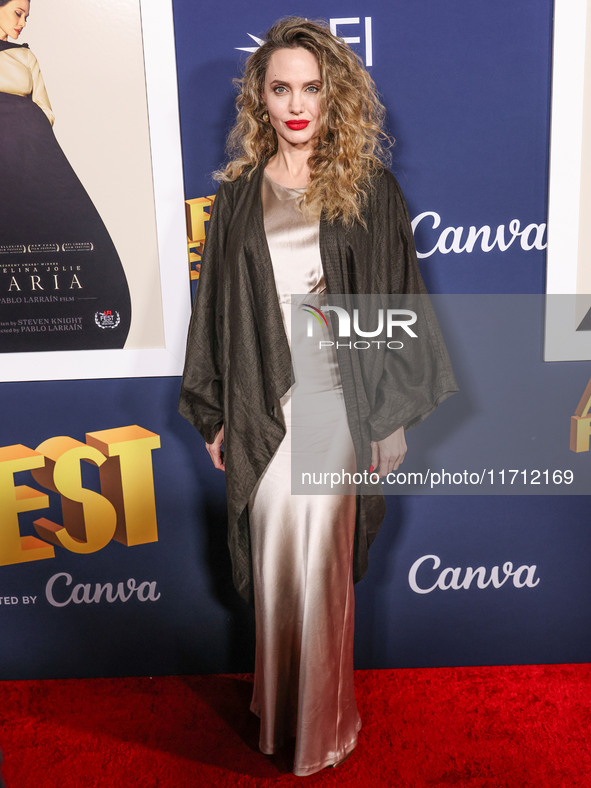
297, 125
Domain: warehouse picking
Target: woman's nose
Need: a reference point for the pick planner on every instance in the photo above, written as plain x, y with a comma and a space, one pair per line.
296, 104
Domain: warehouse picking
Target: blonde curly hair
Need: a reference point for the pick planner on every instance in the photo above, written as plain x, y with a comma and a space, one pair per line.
352, 145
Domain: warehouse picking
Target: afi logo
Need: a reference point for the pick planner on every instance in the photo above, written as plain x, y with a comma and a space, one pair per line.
337, 25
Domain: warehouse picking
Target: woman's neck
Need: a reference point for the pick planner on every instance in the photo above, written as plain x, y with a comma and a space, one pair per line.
290, 168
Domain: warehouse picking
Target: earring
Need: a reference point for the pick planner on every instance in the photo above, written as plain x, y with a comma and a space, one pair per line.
266, 116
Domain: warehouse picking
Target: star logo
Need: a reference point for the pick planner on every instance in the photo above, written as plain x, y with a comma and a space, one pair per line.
259, 42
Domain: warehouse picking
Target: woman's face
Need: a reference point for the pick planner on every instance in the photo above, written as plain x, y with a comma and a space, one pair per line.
13, 17
292, 97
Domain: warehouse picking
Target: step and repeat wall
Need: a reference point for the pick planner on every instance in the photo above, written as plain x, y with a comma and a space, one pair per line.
113, 556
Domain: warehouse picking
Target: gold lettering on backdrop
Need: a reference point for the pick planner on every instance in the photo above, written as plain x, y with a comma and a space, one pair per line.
197, 212
14, 548
127, 480
124, 510
580, 423
89, 518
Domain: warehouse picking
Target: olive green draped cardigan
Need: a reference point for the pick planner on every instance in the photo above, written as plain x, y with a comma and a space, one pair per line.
238, 362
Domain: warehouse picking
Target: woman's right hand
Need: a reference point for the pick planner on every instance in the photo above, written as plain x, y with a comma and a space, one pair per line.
215, 450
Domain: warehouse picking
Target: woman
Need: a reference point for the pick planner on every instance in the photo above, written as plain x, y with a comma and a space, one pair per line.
62, 285
305, 206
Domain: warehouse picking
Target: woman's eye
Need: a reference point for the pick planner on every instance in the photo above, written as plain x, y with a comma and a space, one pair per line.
279, 89
313, 88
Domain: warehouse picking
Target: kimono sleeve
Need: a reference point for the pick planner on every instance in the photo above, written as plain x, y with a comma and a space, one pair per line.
39, 92
201, 398
414, 380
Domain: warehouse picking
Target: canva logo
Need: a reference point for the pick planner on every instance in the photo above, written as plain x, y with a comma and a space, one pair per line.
461, 240
384, 323
124, 510
423, 577
456, 240
59, 593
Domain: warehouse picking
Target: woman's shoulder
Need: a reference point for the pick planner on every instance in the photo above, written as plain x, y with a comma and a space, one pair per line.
385, 197
25, 54
384, 181
20, 50
225, 191
229, 191
249, 174
247, 179
26, 51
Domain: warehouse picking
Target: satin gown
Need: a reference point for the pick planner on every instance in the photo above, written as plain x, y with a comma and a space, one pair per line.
302, 545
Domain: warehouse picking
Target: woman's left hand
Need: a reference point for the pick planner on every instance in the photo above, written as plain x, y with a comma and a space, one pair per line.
388, 454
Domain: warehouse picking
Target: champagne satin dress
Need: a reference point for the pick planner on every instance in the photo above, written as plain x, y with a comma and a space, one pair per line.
302, 545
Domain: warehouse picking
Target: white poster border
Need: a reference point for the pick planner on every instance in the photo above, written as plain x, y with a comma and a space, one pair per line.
562, 341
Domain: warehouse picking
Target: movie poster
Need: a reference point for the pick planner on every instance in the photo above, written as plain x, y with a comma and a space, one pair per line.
568, 308
81, 263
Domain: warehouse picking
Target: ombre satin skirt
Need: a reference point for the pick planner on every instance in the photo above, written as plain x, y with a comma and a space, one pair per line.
302, 547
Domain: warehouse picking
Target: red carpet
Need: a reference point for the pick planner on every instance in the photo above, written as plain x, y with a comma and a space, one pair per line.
487, 726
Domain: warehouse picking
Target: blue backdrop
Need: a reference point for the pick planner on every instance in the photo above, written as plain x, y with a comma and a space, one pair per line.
466, 86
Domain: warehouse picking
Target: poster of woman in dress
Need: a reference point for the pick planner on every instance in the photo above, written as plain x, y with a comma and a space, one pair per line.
79, 256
